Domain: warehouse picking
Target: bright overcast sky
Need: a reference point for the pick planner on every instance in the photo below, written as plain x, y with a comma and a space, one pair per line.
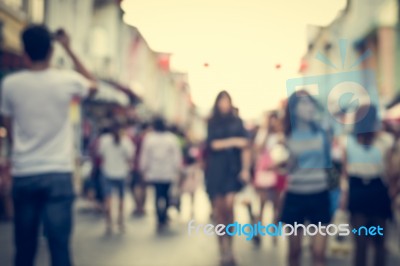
240, 40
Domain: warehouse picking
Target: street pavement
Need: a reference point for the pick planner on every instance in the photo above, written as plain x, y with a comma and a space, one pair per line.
140, 245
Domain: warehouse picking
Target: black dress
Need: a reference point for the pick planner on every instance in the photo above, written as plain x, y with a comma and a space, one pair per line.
223, 167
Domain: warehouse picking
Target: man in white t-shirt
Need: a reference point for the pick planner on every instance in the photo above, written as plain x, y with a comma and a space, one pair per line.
161, 162
35, 105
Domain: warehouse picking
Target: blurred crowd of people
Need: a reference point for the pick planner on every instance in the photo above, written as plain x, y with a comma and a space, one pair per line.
142, 154
306, 170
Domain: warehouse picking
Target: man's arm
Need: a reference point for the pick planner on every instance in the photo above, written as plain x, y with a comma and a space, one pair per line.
6, 111
63, 39
7, 122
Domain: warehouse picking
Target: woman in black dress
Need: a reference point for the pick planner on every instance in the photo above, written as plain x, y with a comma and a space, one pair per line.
227, 165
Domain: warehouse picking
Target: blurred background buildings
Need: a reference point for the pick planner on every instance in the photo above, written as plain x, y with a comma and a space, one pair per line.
134, 75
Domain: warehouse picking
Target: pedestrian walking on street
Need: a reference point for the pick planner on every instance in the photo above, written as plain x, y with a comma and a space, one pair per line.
138, 185
116, 151
161, 164
35, 104
227, 166
367, 156
96, 176
307, 196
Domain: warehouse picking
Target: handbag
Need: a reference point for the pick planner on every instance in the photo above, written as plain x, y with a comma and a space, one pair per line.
264, 177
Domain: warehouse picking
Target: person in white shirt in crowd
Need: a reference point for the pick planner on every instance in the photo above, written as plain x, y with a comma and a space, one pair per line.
35, 105
367, 156
116, 151
161, 164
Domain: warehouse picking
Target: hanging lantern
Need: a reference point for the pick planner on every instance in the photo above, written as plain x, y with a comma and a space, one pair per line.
163, 61
303, 65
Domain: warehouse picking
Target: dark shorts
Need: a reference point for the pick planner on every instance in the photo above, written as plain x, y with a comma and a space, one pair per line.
118, 184
313, 208
369, 198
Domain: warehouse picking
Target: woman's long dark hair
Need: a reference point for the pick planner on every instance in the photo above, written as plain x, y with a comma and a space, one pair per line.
290, 119
365, 129
272, 115
217, 115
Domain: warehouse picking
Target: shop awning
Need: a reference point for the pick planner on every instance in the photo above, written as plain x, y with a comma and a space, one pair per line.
108, 93
133, 97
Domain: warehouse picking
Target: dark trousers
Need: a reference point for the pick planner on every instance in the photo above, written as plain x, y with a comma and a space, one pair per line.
46, 198
162, 201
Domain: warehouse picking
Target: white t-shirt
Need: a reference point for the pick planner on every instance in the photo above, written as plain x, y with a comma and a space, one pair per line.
161, 157
38, 103
116, 158
368, 162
